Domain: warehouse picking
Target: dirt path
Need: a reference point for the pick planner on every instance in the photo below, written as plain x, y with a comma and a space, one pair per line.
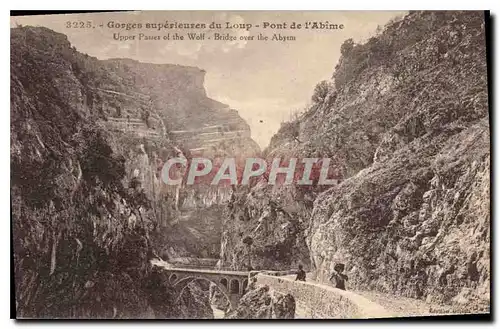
397, 305
400, 306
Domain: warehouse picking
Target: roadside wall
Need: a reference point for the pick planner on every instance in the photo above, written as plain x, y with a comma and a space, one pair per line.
314, 300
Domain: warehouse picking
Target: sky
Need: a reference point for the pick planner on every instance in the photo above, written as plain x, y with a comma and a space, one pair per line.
265, 81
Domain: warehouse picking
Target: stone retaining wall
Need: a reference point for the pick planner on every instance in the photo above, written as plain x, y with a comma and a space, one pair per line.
314, 300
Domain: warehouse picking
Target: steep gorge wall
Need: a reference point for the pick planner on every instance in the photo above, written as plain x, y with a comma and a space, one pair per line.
405, 121
263, 229
70, 212
415, 222
85, 198
172, 99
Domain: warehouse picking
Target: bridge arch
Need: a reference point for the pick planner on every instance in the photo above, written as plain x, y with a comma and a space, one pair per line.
182, 283
235, 286
178, 278
224, 282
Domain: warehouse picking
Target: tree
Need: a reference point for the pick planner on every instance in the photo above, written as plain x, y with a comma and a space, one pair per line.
321, 91
347, 47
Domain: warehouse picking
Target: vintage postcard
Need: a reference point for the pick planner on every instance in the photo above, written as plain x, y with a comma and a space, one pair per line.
250, 165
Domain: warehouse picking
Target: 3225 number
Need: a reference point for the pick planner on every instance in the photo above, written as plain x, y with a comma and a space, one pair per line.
79, 24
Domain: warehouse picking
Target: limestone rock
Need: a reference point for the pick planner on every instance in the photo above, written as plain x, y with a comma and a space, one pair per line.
263, 303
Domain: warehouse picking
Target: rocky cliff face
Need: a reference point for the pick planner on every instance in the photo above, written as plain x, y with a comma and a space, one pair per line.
165, 109
264, 303
405, 120
263, 229
88, 138
73, 220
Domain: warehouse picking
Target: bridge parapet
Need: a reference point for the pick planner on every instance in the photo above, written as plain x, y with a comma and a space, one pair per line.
324, 302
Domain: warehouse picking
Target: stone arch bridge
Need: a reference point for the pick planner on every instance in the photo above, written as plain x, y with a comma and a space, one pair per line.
231, 283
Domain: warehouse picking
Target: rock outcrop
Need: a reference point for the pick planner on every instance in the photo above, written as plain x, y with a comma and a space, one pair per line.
405, 122
263, 229
264, 303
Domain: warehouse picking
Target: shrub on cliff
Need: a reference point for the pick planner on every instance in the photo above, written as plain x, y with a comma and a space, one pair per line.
321, 91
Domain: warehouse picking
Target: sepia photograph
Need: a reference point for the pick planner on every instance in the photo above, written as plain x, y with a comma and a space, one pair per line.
226, 165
